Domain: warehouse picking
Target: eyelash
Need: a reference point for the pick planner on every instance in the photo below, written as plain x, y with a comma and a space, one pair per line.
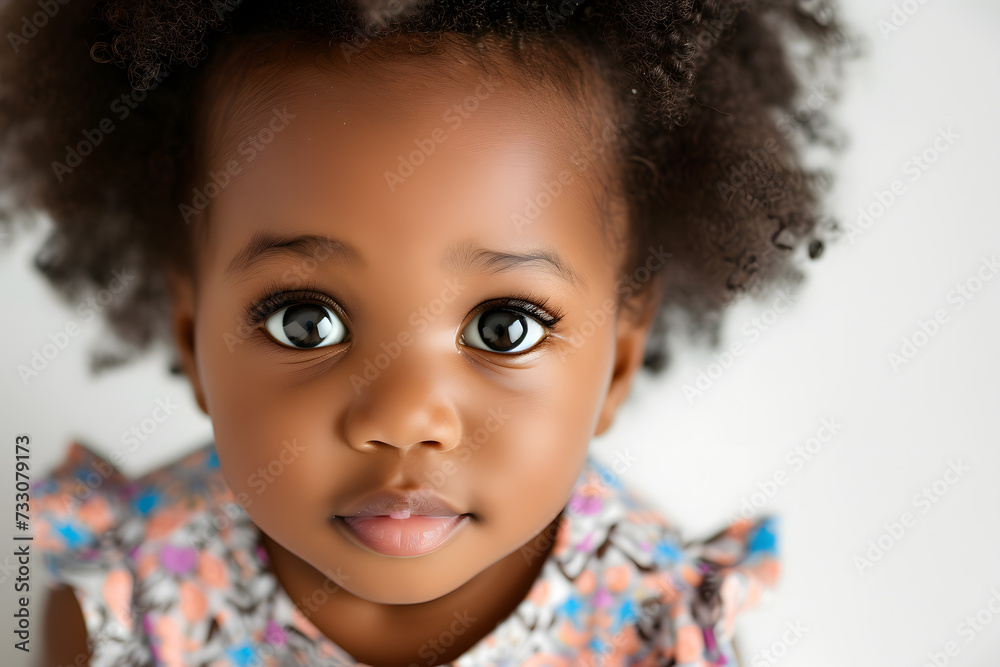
525, 303
273, 298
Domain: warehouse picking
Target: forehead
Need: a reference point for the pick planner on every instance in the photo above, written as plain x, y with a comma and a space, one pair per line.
390, 78
435, 139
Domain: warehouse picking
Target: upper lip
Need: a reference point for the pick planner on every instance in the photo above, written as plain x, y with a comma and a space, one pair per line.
417, 502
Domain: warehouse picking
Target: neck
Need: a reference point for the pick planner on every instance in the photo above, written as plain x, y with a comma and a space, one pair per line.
360, 626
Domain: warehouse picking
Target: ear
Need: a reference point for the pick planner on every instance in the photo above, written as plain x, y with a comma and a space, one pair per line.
633, 327
182, 329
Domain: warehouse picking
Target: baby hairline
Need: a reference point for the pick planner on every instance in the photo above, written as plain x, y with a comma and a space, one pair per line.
600, 119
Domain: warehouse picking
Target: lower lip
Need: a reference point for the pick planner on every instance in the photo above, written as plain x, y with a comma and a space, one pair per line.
413, 536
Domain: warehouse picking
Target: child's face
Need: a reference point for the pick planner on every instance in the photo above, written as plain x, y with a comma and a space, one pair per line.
400, 391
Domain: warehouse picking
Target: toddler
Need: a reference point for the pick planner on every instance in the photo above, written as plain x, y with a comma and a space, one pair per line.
410, 255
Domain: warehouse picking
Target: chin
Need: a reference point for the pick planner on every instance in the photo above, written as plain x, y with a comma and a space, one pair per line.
412, 593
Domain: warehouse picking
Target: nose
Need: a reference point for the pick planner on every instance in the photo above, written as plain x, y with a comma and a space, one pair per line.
408, 404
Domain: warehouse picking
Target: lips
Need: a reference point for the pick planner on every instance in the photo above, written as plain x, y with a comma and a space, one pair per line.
419, 502
402, 523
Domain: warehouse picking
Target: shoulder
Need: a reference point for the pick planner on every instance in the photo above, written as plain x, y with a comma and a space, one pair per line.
86, 502
649, 590
112, 546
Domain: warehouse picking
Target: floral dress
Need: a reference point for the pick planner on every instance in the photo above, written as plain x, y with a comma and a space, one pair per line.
170, 571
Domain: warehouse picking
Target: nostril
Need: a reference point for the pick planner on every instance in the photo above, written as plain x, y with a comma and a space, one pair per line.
377, 444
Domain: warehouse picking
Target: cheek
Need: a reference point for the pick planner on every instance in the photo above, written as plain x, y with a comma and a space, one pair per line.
526, 470
272, 462
267, 436
578, 384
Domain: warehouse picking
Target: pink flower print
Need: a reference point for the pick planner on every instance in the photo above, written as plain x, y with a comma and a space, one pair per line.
178, 559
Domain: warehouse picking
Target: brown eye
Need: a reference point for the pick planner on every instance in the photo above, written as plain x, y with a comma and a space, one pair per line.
305, 326
504, 331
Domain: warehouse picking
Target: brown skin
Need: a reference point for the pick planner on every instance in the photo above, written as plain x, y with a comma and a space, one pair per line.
413, 425
65, 638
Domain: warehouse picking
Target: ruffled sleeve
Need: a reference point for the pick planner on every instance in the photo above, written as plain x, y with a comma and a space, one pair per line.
81, 514
723, 576
76, 503
621, 587
658, 599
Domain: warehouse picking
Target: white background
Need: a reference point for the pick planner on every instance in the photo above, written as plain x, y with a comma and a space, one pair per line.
826, 358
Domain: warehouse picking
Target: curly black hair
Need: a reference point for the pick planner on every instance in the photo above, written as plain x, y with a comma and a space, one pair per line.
99, 126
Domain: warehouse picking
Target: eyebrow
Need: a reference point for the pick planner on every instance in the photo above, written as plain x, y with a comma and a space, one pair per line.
461, 257
264, 245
